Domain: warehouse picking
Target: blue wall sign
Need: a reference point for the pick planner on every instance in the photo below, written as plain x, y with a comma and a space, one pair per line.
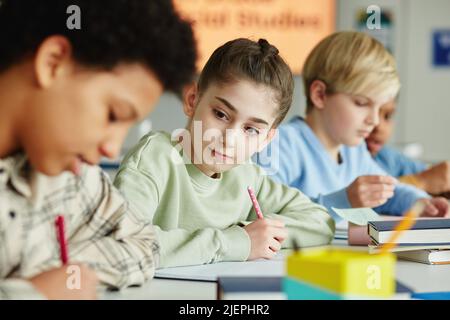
441, 48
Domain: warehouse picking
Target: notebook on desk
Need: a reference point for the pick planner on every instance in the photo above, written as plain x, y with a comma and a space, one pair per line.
211, 272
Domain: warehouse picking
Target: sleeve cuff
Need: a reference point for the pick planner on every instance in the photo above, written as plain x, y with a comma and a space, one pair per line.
336, 199
236, 244
416, 194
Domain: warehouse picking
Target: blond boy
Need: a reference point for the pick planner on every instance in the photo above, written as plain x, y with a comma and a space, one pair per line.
347, 77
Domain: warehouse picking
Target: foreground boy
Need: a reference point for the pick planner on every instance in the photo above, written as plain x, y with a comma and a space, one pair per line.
67, 98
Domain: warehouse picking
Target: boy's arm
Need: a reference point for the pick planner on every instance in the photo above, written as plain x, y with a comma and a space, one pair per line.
13, 289
116, 241
404, 198
180, 246
397, 164
404, 195
309, 223
412, 180
434, 180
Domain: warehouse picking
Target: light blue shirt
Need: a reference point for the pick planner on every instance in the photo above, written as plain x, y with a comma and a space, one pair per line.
296, 157
397, 164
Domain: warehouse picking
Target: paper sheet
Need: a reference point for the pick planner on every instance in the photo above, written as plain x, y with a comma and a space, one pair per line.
359, 216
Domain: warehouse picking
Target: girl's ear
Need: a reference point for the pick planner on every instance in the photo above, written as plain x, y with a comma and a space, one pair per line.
270, 135
317, 93
190, 98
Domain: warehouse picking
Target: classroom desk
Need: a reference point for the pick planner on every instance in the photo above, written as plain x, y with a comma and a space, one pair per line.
419, 277
167, 289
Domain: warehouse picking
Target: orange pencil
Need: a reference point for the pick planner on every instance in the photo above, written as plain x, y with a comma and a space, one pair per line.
405, 224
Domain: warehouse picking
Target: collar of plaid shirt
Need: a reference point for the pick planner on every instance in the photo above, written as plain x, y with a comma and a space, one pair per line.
17, 171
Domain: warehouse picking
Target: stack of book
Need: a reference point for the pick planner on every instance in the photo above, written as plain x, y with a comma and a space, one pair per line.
428, 241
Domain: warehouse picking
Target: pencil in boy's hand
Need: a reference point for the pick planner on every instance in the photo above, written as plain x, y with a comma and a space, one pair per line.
60, 233
251, 193
405, 224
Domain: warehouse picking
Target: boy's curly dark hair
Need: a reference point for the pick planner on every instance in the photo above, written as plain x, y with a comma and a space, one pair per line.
112, 32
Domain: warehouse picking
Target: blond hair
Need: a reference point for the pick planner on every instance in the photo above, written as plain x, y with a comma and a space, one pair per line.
353, 63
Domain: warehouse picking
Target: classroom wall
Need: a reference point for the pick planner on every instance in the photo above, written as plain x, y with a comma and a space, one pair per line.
424, 106
427, 89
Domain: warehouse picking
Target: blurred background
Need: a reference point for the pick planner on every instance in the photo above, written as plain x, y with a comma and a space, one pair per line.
417, 33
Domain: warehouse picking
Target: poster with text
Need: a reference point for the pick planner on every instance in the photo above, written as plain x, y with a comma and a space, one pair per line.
293, 26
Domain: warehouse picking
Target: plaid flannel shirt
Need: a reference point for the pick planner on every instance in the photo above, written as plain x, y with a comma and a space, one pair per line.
101, 230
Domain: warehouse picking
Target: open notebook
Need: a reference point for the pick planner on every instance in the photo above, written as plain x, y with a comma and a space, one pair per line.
210, 272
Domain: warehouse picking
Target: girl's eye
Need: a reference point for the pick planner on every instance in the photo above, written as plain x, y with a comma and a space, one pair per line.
220, 115
252, 131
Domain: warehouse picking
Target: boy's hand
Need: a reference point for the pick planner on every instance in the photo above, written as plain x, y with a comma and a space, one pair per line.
266, 236
53, 284
370, 191
436, 207
436, 180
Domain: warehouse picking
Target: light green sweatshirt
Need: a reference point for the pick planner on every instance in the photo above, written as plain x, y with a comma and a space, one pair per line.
200, 219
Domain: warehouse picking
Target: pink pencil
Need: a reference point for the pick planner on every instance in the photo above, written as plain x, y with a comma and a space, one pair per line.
59, 224
251, 193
